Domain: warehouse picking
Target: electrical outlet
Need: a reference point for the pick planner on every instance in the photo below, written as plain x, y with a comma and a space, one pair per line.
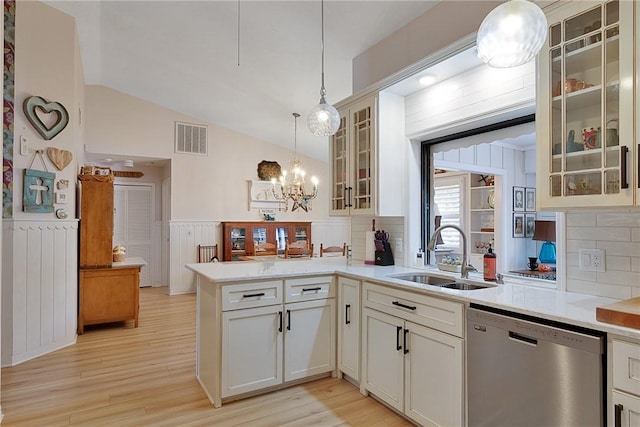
398, 244
591, 260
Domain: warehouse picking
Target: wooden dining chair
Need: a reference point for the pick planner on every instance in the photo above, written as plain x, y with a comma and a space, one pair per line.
208, 253
265, 249
298, 249
333, 250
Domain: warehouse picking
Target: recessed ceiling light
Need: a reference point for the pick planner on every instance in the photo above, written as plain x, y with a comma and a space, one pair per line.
427, 80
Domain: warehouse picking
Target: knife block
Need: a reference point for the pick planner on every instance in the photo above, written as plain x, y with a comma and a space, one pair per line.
384, 257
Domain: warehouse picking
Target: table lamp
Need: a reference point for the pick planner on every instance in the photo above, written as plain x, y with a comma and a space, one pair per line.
546, 231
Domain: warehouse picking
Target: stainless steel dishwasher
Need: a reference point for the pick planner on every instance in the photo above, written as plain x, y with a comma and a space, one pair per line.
525, 371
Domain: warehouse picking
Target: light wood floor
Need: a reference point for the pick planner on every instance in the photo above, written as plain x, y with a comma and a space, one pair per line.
118, 375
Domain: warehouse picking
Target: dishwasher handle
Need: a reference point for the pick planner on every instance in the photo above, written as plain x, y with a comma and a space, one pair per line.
514, 336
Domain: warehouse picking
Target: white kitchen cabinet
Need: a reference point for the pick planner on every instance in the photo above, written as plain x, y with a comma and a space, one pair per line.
349, 327
584, 120
367, 155
625, 396
309, 338
261, 334
252, 345
407, 362
442, 373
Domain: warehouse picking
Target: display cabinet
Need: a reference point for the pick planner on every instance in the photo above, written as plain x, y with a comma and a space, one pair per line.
585, 93
365, 154
248, 239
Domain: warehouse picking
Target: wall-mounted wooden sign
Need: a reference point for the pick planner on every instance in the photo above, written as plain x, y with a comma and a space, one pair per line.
128, 174
37, 195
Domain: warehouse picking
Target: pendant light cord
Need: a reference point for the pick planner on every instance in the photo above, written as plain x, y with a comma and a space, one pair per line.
238, 33
322, 89
295, 136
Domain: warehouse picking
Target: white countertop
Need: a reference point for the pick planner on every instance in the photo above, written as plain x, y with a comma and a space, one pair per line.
568, 307
130, 262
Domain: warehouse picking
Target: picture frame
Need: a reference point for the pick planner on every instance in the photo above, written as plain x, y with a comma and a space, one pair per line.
530, 199
518, 225
529, 224
518, 199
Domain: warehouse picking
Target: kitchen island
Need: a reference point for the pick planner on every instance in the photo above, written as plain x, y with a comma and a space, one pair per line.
239, 304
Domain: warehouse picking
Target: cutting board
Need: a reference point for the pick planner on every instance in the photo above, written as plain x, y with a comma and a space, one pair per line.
623, 313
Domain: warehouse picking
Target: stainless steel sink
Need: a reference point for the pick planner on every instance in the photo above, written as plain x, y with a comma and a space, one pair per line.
426, 279
442, 282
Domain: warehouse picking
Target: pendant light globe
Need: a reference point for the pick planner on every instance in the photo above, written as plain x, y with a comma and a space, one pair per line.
512, 34
324, 119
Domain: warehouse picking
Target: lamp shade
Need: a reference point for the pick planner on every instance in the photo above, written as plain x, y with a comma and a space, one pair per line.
512, 34
545, 231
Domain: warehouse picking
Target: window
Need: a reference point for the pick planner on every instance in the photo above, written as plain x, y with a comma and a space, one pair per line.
449, 203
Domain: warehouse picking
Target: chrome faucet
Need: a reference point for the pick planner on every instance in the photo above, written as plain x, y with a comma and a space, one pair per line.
466, 268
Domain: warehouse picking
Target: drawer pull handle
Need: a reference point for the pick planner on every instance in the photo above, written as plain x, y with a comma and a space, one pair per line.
280, 327
311, 289
398, 345
347, 312
408, 307
259, 294
288, 320
618, 418
406, 347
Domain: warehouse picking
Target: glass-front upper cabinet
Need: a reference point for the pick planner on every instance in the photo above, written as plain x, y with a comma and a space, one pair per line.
353, 159
585, 106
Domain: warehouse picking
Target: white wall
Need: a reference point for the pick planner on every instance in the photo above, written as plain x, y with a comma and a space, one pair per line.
203, 188
39, 262
439, 27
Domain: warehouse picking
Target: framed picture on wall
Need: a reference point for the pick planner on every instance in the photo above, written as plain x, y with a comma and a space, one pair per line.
518, 224
530, 199
529, 224
518, 199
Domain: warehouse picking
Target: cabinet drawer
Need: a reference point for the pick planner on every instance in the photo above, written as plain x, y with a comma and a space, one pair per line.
309, 288
247, 295
443, 315
626, 366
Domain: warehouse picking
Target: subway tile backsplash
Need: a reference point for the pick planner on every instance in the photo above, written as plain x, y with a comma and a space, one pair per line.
393, 225
618, 234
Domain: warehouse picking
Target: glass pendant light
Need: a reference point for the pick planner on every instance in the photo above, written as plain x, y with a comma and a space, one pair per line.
324, 119
512, 34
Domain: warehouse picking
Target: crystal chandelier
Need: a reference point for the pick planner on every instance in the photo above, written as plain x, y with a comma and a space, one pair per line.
291, 184
324, 119
512, 34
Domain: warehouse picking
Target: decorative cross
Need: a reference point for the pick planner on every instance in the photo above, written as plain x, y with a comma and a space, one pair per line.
39, 188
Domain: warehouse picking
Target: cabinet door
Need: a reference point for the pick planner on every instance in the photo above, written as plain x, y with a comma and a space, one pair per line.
362, 135
625, 410
585, 126
235, 244
309, 338
433, 377
96, 224
339, 155
252, 343
383, 363
349, 327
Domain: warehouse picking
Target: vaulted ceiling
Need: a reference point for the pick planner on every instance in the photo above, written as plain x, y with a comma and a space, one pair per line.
244, 65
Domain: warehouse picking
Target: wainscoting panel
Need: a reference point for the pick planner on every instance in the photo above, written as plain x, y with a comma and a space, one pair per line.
334, 232
184, 238
39, 288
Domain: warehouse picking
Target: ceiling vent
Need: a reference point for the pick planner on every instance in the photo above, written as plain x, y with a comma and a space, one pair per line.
191, 139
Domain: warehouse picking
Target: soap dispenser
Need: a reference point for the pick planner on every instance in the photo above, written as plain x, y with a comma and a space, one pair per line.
489, 265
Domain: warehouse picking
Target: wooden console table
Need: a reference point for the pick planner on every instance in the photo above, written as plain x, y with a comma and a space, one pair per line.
109, 294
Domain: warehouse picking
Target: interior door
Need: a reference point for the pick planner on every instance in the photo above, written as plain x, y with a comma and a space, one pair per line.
132, 219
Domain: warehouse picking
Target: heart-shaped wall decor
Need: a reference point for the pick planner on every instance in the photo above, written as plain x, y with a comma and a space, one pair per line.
59, 158
35, 104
